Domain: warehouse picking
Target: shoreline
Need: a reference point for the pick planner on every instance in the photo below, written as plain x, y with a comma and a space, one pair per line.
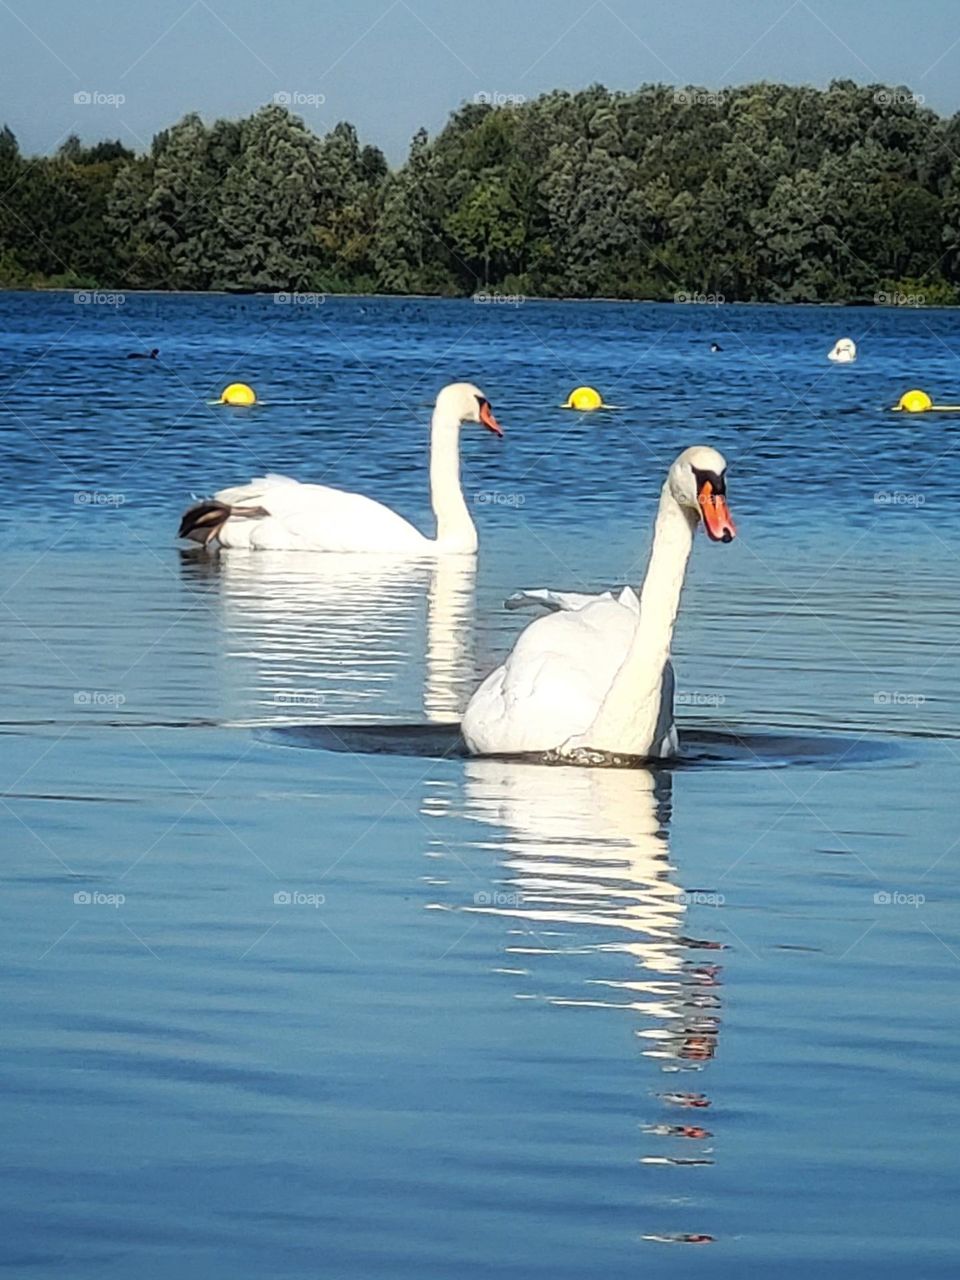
491, 300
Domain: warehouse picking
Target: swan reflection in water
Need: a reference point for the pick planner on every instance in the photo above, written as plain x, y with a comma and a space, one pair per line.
316, 635
587, 875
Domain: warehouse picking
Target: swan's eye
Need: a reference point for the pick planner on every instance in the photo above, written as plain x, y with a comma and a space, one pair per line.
718, 483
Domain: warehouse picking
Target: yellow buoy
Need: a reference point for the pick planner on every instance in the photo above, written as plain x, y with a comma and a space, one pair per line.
920, 402
238, 393
914, 402
584, 399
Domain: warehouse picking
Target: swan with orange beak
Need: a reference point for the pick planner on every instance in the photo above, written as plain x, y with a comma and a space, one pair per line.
277, 513
593, 681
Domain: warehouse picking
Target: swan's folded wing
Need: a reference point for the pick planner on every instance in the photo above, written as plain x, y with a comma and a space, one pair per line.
552, 684
567, 601
252, 494
339, 521
547, 598
315, 516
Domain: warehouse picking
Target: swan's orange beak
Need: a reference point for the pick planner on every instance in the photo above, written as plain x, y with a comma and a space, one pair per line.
716, 514
488, 420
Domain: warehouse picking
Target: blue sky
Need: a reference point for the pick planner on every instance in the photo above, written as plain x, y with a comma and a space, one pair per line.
390, 66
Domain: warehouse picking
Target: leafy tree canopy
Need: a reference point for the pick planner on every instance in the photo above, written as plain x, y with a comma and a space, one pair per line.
764, 192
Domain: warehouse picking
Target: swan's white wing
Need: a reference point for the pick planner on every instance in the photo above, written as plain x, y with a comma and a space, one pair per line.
546, 598
249, 495
316, 517
566, 601
552, 684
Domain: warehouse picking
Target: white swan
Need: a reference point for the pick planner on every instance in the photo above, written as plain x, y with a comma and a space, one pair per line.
844, 351
276, 513
595, 677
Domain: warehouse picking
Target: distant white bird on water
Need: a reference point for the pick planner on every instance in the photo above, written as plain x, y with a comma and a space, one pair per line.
844, 351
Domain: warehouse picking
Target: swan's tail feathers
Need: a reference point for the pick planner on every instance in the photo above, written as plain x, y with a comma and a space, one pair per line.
202, 523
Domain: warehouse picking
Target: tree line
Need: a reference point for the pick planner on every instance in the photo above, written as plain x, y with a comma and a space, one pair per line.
765, 192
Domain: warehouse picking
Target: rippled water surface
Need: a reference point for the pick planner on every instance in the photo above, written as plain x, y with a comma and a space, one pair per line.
294, 989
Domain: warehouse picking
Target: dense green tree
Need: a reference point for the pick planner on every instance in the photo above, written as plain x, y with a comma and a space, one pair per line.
267, 207
180, 210
765, 191
483, 231
12, 268
409, 254
347, 208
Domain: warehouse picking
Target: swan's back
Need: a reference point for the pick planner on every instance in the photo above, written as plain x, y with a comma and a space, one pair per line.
552, 684
314, 516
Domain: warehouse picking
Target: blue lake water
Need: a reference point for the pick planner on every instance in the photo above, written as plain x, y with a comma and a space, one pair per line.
274, 1009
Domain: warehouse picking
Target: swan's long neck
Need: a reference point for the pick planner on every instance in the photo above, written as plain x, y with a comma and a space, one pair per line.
627, 721
456, 532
